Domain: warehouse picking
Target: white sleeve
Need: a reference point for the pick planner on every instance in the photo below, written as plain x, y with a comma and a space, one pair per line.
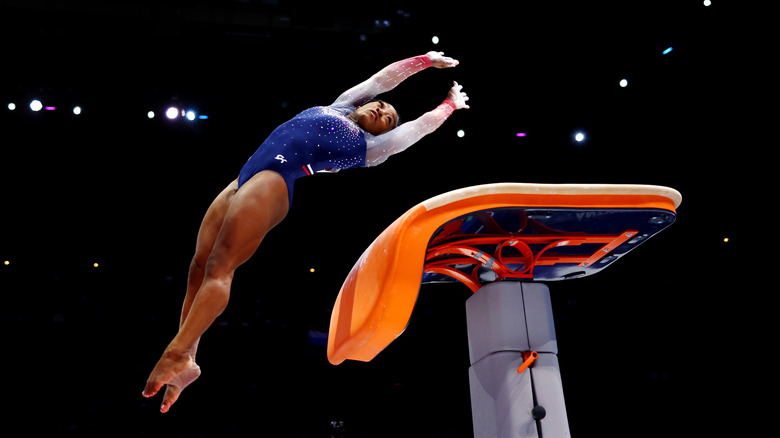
383, 81
379, 147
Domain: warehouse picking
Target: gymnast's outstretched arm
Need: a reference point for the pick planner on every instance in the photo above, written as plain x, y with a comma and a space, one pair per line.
379, 147
389, 77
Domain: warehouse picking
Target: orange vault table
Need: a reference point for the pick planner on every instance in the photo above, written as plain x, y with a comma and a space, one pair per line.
502, 241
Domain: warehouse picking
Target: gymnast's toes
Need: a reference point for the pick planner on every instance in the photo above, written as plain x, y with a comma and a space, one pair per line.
171, 395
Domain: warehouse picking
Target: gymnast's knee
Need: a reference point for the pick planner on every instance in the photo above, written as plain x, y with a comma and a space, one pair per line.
218, 269
197, 265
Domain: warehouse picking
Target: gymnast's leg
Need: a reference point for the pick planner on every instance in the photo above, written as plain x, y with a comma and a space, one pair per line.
207, 235
259, 205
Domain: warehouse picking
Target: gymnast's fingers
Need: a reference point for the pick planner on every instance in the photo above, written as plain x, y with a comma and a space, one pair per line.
440, 61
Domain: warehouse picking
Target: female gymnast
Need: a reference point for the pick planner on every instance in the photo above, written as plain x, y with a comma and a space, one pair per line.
354, 131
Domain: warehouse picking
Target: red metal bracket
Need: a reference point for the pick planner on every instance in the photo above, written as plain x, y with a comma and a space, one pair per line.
442, 257
606, 249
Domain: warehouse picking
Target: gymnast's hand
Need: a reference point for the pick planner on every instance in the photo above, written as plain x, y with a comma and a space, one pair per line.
458, 96
440, 61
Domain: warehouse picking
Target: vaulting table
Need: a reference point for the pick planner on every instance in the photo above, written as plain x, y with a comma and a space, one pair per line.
503, 241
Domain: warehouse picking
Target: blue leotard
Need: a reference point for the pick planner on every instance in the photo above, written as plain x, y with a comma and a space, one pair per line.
317, 139
324, 138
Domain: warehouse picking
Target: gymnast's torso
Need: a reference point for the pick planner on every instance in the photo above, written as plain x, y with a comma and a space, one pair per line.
325, 138
317, 139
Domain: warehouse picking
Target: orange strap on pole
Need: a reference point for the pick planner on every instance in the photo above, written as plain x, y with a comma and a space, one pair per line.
528, 358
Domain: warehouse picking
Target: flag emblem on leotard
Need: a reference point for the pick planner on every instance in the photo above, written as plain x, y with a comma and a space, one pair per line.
307, 168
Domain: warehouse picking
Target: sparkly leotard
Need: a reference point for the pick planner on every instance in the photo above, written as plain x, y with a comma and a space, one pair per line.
316, 139
325, 139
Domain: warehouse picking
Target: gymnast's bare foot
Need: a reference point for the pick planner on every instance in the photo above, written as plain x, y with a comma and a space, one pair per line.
176, 371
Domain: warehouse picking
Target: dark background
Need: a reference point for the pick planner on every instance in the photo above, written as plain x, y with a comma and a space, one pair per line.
673, 340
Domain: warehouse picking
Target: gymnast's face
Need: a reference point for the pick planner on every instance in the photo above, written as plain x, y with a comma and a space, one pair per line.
376, 117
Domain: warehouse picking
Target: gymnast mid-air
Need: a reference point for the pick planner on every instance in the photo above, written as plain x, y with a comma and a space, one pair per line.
354, 131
